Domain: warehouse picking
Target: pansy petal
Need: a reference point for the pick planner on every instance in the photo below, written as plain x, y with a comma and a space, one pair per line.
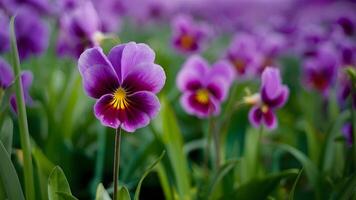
133, 55
271, 82
279, 100
218, 87
255, 116
143, 106
270, 119
223, 69
98, 75
106, 113
6, 74
146, 77
26, 79
115, 57
192, 73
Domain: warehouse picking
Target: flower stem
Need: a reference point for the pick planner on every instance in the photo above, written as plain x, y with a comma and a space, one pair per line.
22, 117
117, 161
207, 147
217, 148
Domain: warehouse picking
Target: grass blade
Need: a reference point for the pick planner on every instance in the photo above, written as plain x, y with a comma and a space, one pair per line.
22, 116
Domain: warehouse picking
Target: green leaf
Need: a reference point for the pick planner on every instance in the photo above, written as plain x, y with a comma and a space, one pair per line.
22, 117
291, 194
6, 134
260, 188
57, 182
44, 169
8, 177
65, 196
173, 141
310, 168
346, 190
101, 193
218, 176
147, 171
123, 194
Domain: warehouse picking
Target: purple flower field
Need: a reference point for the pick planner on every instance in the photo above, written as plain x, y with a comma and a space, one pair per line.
177, 99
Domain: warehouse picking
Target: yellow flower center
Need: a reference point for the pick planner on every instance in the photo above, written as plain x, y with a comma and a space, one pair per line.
187, 41
202, 96
120, 100
264, 108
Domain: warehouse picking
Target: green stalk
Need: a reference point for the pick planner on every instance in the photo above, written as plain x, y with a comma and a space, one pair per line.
117, 161
22, 118
353, 123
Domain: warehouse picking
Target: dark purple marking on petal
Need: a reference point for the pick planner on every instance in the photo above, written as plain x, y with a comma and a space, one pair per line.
106, 113
270, 119
255, 116
146, 77
98, 75
278, 101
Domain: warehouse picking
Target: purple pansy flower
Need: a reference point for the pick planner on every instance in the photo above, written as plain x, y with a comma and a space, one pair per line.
124, 83
6, 75
204, 88
347, 132
188, 36
243, 55
320, 70
32, 33
26, 80
273, 95
76, 34
4, 32
39, 6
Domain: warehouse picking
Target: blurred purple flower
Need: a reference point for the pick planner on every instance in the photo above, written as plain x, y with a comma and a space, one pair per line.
147, 11
38, 6
189, 36
273, 95
109, 13
78, 30
6, 75
270, 45
32, 34
124, 83
4, 33
320, 71
26, 80
243, 55
204, 88
347, 132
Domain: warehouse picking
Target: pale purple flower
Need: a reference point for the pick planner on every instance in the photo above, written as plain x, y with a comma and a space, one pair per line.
26, 80
78, 29
6, 75
189, 36
273, 95
110, 13
38, 6
320, 71
125, 84
32, 33
243, 55
4, 32
204, 88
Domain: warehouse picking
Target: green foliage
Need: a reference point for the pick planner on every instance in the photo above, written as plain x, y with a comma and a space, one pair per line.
58, 186
147, 171
9, 181
6, 134
259, 188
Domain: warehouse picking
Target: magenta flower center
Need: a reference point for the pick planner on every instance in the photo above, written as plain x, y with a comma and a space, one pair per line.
239, 65
202, 96
187, 41
120, 100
